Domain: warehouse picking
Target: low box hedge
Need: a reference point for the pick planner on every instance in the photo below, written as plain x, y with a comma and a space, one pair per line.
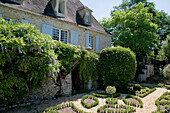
104, 95
165, 103
128, 109
140, 104
111, 100
145, 92
89, 105
56, 108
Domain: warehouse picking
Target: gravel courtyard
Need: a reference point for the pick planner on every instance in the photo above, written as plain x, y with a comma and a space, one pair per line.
149, 103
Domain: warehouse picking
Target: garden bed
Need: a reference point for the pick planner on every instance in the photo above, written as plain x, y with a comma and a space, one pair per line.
115, 108
105, 95
65, 108
111, 100
144, 92
89, 101
163, 102
133, 101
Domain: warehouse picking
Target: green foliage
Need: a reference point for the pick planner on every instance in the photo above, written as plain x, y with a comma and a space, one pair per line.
103, 109
111, 90
164, 53
88, 66
134, 29
26, 57
104, 95
140, 104
165, 102
145, 92
56, 108
89, 105
137, 87
67, 53
117, 67
111, 100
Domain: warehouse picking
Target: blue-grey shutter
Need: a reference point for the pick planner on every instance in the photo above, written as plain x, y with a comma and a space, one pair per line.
74, 38
87, 40
24, 21
47, 29
97, 43
0, 15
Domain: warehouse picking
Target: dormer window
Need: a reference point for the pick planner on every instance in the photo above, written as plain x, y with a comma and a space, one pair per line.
87, 17
60, 7
85, 14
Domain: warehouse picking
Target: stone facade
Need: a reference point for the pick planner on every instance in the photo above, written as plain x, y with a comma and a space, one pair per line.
37, 20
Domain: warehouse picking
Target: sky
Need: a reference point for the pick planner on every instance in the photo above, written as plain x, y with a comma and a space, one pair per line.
102, 8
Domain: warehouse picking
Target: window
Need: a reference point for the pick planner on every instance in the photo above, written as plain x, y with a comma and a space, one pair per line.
61, 8
87, 17
91, 42
60, 35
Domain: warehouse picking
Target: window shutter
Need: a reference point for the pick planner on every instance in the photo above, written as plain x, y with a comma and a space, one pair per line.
74, 38
47, 29
87, 40
97, 43
0, 15
24, 21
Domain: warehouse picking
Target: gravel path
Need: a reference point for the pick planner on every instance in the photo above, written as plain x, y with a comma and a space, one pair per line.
149, 103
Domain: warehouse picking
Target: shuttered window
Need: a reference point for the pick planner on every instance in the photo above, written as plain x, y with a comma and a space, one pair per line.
97, 43
60, 35
74, 38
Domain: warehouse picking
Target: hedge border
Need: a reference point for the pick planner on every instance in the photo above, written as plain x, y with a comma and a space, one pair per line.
56, 108
146, 93
133, 103
158, 102
89, 105
106, 96
128, 109
111, 100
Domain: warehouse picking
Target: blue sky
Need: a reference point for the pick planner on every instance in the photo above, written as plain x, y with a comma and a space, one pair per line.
102, 8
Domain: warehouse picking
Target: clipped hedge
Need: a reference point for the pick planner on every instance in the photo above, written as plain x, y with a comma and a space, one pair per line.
104, 95
111, 100
140, 104
56, 108
27, 57
166, 103
117, 67
89, 105
147, 92
127, 109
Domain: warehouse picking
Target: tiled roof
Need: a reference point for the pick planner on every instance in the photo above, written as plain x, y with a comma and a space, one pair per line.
41, 6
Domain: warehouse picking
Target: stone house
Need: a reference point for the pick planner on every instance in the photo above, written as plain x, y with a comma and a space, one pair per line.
68, 21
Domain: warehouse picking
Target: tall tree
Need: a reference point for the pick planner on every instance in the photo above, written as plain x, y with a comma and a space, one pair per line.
134, 29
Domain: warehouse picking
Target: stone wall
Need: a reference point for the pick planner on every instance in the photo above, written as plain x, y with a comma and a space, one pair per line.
148, 72
39, 19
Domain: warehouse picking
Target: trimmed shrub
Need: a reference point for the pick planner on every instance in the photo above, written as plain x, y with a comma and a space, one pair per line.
111, 100
165, 103
26, 57
145, 92
104, 95
140, 104
111, 90
89, 105
117, 67
137, 87
103, 109
56, 108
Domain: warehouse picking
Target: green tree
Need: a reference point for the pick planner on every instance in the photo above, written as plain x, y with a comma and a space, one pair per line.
134, 29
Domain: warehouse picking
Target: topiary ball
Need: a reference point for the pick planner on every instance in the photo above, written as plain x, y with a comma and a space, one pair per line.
117, 67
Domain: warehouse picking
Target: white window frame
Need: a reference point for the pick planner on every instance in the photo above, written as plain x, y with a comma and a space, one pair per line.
91, 42
60, 34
